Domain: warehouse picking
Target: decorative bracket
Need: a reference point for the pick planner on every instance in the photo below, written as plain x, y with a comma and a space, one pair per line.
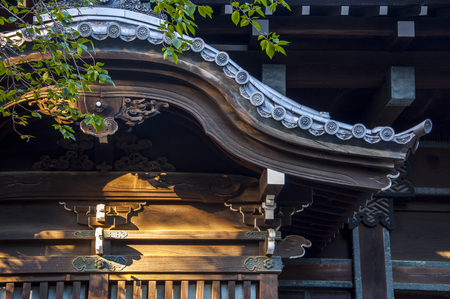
103, 215
377, 210
130, 110
269, 244
264, 264
97, 263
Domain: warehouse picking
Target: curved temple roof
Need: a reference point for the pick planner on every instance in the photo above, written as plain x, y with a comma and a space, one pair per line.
130, 22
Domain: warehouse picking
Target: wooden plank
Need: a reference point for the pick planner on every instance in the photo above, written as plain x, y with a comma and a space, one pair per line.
76, 290
9, 294
200, 294
167, 264
373, 270
184, 289
319, 272
98, 286
421, 275
168, 290
231, 290
131, 235
59, 293
215, 290
268, 286
26, 290
152, 289
137, 289
247, 290
121, 289
43, 290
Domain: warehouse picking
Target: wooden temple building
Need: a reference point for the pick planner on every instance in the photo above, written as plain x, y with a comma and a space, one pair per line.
321, 174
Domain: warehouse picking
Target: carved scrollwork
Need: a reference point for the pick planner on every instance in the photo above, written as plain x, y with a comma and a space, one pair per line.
55, 110
377, 210
139, 163
136, 111
70, 161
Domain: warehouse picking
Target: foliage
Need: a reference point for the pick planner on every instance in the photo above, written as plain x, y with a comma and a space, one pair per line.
181, 22
57, 73
62, 68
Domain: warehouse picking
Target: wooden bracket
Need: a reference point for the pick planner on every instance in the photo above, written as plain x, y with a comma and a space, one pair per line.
106, 216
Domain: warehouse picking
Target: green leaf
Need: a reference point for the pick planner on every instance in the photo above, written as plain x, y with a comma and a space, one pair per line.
256, 25
175, 58
270, 50
177, 43
235, 16
202, 11
12, 19
264, 2
79, 51
263, 45
244, 22
191, 9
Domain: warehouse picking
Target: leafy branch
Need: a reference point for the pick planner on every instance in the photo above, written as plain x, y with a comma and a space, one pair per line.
179, 23
55, 77
246, 14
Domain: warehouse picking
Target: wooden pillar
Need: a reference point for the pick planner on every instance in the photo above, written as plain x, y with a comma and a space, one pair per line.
98, 286
268, 286
371, 251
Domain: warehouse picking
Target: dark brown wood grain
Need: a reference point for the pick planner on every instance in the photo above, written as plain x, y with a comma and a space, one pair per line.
59, 293
98, 286
421, 275
247, 290
76, 290
268, 286
373, 272
231, 289
9, 291
26, 290
43, 290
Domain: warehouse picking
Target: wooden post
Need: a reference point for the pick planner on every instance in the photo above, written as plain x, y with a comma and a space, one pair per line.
268, 286
372, 264
98, 286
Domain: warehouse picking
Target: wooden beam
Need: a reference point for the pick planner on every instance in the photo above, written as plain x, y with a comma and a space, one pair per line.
413, 11
343, 10
130, 235
135, 264
404, 34
376, 11
397, 92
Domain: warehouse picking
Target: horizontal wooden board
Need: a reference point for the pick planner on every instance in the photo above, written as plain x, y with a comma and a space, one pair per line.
320, 272
131, 235
421, 275
135, 264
